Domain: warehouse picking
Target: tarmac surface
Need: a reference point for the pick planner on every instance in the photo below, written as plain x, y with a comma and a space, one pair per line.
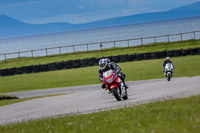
91, 98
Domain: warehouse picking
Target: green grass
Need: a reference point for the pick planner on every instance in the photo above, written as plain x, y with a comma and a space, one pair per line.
170, 116
107, 52
12, 101
136, 70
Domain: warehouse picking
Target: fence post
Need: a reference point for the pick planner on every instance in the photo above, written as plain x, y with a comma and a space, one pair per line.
181, 37
87, 46
5, 57
19, 55
101, 45
155, 39
141, 41
194, 35
73, 49
32, 53
46, 52
128, 43
167, 38
60, 50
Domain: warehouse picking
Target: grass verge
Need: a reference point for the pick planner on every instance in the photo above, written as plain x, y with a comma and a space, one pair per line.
170, 116
17, 100
136, 70
98, 53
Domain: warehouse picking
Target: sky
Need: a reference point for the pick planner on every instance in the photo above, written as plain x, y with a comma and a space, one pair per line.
82, 11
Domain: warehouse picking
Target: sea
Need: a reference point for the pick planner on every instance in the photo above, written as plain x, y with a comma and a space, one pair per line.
124, 32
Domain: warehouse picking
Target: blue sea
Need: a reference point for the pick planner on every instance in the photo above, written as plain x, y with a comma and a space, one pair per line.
98, 35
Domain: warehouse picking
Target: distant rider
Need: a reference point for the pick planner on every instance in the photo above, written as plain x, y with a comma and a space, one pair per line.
106, 65
167, 60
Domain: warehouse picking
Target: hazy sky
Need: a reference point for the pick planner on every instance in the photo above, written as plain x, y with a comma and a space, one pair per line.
82, 11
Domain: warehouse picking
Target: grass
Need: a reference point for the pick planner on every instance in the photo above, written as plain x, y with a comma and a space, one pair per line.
12, 101
136, 70
169, 116
107, 52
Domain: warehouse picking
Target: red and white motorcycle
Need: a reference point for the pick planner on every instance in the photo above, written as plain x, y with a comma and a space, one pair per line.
115, 85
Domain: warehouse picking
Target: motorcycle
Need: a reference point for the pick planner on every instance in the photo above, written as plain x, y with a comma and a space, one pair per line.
169, 70
115, 85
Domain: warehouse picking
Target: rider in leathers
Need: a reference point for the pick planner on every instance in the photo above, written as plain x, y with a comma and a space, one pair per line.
106, 65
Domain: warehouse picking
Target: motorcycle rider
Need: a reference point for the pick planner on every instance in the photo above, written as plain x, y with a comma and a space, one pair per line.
167, 60
106, 65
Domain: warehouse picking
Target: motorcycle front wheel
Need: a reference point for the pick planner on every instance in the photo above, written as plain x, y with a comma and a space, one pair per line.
169, 77
116, 92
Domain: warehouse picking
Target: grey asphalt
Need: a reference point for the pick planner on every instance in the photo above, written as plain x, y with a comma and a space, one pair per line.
91, 98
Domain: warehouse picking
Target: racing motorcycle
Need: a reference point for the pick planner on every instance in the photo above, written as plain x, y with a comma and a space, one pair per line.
115, 85
169, 70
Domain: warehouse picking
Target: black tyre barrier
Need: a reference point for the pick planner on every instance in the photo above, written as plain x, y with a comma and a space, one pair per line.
4, 72
147, 56
52, 66
84, 62
177, 53
11, 71
20, 70
155, 55
68, 64
123, 58
185, 52
116, 58
198, 51
110, 58
139, 56
194, 51
28, 69
170, 53
92, 61
131, 57
36, 68
163, 54
44, 67
98, 59
60, 65
76, 63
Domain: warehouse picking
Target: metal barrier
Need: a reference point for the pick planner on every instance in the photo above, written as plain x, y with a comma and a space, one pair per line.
102, 45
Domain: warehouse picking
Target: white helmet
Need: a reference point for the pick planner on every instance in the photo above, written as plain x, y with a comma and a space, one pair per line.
103, 63
167, 58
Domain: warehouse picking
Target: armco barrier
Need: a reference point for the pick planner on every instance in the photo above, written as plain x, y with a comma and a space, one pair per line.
68, 64
123, 58
92, 61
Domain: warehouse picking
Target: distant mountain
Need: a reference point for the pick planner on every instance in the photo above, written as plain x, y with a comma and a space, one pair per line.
10, 27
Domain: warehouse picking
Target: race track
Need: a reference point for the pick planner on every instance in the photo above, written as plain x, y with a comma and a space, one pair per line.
91, 98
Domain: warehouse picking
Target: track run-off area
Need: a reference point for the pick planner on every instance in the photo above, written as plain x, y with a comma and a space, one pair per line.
91, 98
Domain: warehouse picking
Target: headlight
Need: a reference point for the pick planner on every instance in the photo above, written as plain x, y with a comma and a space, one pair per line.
109, 80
